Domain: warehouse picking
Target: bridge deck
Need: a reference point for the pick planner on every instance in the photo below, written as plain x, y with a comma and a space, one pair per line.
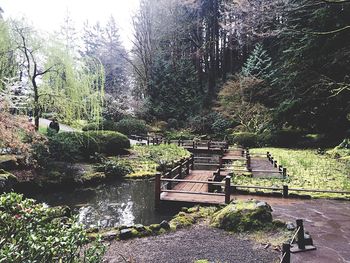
195, 189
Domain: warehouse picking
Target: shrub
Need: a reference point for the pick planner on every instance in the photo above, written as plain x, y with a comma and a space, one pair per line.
32, 232
70, 146
132, 126
211, 123
115, 168
106, 125
179, 135
172, 123
286, 138
108, 142
245, 139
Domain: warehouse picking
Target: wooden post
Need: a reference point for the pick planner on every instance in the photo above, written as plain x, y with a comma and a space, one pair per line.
147, 140
192, 161
285, 191
268, 154
193, 144
180, 170
271, 159
220, 161
209, 145
285, 253
284, 173
157, 190
275, 163
300, 235
178, 142
280, 167
227, 189
187, 167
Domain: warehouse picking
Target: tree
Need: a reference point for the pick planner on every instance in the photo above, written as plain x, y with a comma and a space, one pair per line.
28, 46
103, 43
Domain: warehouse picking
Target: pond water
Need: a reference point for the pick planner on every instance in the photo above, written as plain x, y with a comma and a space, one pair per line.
111, 204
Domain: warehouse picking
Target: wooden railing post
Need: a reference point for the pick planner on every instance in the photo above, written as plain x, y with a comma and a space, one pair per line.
209, 145
275, 163
157, 190
220, 161
285, 191
193, 144
284, 173
227, 189
178, 142
147, 140
300, 235
285, 253
180, 170
188, 167
192, 161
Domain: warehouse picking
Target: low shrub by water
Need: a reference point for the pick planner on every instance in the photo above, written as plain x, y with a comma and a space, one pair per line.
70, 146
32, 232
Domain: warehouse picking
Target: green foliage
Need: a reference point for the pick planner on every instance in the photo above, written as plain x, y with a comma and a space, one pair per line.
181, 134
306, 169
32, 232
243, 216
108, 142
150, 159
258, 64
106, 125
70, 146
245, 139
132, 127
211, 123
115, 168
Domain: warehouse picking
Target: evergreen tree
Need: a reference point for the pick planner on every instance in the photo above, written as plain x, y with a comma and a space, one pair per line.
258, 64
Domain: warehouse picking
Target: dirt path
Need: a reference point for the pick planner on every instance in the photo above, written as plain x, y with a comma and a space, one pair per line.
188, 245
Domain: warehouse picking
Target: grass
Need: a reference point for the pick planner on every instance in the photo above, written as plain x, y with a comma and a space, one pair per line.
145, 161
306, 169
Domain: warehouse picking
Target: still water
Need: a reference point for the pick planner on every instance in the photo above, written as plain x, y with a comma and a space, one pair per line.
111, 204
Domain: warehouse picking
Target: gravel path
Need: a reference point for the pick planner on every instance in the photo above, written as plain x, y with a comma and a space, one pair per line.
188, 245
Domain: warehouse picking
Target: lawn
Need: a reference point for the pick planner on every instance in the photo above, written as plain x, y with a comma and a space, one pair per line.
306, 169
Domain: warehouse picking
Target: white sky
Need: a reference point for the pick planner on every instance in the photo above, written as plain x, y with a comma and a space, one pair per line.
49, 15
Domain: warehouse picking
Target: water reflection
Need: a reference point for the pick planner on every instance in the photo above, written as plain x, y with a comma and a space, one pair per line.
111, 204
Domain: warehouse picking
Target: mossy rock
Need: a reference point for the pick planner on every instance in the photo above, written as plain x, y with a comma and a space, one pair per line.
8, 161
93, 177
182, 220
243, 216
7, 180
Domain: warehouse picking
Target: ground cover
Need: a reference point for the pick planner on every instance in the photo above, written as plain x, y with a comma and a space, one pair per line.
145, 161
306, 169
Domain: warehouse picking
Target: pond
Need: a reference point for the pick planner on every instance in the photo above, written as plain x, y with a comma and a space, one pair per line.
111, 204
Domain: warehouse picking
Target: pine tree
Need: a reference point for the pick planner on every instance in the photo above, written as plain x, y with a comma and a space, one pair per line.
258, 65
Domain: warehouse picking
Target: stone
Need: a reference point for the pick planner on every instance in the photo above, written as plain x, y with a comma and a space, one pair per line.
109, 235
125, 233
264, 205
165, 224
139, 227
291, 226
155, 227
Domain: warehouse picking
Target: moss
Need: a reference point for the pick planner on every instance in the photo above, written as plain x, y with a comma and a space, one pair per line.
242, 216
93, 176
135, 233
155, 227
201, 261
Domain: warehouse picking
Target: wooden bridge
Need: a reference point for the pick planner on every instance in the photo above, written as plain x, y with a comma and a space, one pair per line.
205, 177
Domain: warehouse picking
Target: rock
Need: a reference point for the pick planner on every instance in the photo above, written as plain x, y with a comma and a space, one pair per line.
7, 181
243, 216
291, 226
110, 235
184, 209
125, 233
155, 227
165, 224
264, 205
139, 227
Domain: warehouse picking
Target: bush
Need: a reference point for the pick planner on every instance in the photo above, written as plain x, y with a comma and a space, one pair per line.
245, 139
71, 146
212, 123
106, 125
179, 135
114, 168
108, 142
286, 138
32, 232
132, 126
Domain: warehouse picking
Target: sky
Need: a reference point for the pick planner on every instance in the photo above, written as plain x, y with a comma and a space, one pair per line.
48, 15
